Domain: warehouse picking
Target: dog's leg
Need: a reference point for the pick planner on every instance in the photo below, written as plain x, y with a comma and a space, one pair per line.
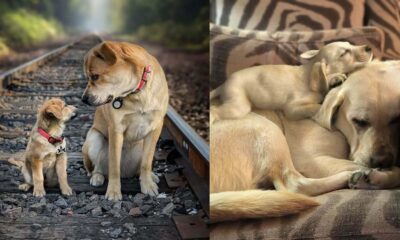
148, 180
375, 179
38, 179
303, 107
116, 139
61, 168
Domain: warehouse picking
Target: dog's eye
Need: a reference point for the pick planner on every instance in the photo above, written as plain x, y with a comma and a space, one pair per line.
395, 120
345, 52
361, 123
94, 77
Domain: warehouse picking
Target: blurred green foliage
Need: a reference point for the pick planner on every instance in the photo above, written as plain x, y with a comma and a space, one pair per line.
23, 28
174, 23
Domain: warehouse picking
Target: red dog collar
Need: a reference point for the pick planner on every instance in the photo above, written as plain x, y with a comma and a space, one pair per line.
146, 72
117, 102
49, 138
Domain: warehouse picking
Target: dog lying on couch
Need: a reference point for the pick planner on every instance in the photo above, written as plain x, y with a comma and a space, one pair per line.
265, 149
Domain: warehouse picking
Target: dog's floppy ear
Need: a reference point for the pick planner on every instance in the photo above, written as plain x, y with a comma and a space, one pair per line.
318, 77
331, 104
309, 54
106, 53
53, 112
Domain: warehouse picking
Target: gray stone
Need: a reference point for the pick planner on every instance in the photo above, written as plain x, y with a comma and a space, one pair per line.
135, 212
82, 210
189, 204
117, 205
9, 200
61, 202
91, 206
167, 210
130, 227
36, 226
96, 211
145, 208
115, 233
37, 207
127, 205
105, 223
138, 198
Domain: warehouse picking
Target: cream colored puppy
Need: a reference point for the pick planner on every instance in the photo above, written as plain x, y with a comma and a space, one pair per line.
129, 88
297, 90
266, 150
45, 159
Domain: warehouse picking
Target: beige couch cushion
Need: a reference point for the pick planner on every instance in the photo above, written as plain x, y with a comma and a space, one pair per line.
343, 214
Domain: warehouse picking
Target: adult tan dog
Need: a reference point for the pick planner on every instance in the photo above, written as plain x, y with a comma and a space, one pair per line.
297, 90
124, 134
45, 159
266, 149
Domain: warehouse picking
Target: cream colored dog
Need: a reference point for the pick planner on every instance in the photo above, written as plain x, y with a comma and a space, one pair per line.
45, 159
122, 140
266, 149
297, 90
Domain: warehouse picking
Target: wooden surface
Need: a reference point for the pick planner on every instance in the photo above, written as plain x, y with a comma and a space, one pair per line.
84, 227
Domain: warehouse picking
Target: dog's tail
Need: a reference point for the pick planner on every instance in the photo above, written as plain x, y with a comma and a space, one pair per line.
227, 206
215, 93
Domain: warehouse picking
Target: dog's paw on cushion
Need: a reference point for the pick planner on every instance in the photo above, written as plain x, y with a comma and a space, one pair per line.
365, 179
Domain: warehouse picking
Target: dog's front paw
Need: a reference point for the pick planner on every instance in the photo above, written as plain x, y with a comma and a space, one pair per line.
362, 180
97, 180
155, 178
337, 80
66, 190
24, 187
113, 194
149, 186
38, 192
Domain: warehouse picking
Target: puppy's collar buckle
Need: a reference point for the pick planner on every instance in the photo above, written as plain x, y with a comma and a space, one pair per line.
50, 139
118, 102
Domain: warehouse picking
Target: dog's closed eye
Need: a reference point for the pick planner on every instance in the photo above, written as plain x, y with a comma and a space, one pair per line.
395, 120
345, 52
361, 123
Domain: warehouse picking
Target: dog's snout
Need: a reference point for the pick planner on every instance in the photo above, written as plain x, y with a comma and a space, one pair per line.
85, 99
368, 48
381, 161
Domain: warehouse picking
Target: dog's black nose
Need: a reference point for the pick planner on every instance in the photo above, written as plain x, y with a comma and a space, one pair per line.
381, 161
368, 49
85, 99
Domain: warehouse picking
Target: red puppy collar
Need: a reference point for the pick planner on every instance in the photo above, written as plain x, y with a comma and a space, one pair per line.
49, 138
146, 72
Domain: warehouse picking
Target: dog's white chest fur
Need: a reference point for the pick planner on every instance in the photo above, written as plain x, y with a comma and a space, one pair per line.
139, 125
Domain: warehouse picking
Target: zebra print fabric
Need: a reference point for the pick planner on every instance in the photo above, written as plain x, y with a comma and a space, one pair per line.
279, 15
385, 14
343, 214
234, 49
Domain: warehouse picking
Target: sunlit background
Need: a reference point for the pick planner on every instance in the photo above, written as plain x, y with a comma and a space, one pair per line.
29, 25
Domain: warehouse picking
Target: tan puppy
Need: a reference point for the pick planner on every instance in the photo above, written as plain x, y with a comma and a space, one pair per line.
268, 150
297, 90
45, 157
123, 138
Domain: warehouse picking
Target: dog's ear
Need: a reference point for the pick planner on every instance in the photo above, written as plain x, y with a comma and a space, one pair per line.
53, 111
330, 106
309, 54
106, 53
318, 77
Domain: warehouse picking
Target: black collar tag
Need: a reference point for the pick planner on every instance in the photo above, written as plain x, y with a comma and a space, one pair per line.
117, 103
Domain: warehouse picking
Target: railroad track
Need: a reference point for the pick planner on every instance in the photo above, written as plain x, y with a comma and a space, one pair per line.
181, 161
